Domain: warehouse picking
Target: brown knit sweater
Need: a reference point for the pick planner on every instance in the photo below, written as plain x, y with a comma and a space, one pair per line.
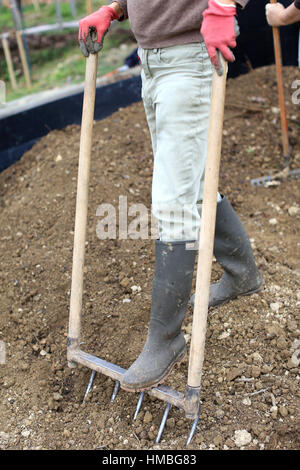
163, 23
297, 3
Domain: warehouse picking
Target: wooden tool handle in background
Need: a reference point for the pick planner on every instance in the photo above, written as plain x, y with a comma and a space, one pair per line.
283, 115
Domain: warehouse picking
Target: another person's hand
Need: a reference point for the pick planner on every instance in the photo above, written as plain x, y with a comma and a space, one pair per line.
219, 31
100, 20
274, 14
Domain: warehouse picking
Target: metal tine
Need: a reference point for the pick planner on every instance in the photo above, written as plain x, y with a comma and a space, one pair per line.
193, 428
163, 423
115, 392
89, 385
138, 406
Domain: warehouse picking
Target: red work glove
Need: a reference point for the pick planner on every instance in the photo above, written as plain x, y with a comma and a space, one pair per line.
100, 20
219, 31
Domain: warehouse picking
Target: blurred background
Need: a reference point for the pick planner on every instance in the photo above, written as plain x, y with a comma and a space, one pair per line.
39, 48
51, 56
42, 69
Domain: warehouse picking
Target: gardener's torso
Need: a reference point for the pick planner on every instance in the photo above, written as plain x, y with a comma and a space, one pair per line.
163, 23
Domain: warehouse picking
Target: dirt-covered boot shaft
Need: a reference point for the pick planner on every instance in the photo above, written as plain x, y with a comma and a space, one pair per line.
165, 345
233, 252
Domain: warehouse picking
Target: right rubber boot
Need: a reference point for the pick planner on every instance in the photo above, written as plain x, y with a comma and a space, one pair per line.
165, 345
233, 252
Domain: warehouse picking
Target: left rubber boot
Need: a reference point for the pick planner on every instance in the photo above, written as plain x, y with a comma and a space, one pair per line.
233, 252
165, 345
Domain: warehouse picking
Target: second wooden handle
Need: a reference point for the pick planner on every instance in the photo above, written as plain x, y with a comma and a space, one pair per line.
208, 221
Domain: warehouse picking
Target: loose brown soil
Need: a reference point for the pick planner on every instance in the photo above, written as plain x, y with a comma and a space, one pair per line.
251, 367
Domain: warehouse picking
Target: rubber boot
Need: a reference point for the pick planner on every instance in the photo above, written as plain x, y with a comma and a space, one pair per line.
233, 252
165, 345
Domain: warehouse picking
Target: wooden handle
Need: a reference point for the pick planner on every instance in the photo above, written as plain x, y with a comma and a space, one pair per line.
283, 115
23, 59
89, 7
9, 63
82, 198
208, 222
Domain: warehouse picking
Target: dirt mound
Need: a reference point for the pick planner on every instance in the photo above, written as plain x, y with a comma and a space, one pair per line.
251, 368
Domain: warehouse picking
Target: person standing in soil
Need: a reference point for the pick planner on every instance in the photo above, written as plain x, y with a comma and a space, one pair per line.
179, 43
278, 15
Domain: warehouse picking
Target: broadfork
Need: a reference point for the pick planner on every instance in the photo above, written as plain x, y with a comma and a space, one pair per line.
189, 401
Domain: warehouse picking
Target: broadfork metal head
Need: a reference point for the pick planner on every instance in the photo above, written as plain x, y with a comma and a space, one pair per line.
162, 392
138, 407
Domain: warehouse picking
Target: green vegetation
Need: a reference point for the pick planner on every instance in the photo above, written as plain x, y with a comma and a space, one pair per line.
45, 15
61, 63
